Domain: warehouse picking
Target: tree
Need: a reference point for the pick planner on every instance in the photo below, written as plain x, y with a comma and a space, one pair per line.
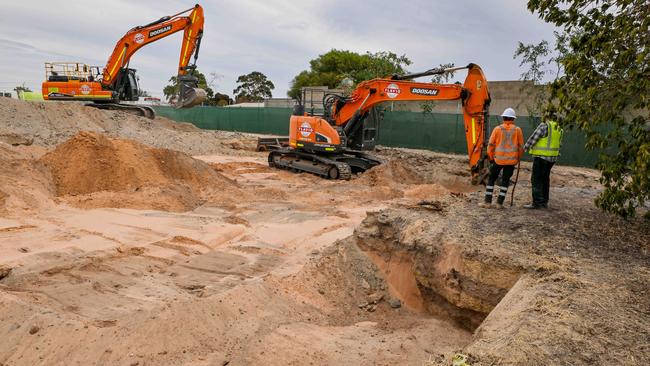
253, 87
221, 100
22, 88
329, 69
603, 89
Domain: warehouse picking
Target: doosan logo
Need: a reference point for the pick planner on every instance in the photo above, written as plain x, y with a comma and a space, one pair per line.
158, 31
392, 90
138, 38
424, 91
305, 129
85, 89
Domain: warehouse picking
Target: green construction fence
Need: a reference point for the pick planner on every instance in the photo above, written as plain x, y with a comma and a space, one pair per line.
431, 131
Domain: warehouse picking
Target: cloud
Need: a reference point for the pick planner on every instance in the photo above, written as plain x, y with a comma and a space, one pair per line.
277, 37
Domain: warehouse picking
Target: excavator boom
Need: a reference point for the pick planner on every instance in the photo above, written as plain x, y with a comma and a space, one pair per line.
138, 37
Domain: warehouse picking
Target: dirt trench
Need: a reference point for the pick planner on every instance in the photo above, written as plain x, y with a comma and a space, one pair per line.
436, 277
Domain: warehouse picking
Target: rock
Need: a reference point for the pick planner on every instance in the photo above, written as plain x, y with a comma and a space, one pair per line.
365, 284
4, 271
362, 305
321, 291
15, 139
371, 308
34, 329
395, 303
383, 218
375, 297
432, 205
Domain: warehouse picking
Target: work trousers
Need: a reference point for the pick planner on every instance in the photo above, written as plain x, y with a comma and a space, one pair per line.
495, 169
541, 181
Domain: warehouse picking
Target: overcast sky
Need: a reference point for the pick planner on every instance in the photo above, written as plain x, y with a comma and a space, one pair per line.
275, 37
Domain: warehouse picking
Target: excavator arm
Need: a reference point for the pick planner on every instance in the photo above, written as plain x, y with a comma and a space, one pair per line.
189, 21
473, 93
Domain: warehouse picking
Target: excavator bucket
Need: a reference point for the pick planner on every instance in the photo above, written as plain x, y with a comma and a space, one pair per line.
190, 94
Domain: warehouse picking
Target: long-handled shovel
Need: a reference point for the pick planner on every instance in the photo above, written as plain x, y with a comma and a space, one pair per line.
514, 185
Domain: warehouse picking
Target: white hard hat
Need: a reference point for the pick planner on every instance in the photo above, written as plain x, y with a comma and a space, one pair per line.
509, 112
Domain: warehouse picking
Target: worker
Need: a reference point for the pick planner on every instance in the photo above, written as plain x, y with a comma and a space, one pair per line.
504, 151
544, 145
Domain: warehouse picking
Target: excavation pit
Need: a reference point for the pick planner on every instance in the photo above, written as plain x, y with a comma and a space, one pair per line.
434, 278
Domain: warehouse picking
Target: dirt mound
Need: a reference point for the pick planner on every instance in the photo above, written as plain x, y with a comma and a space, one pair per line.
52, 123
390, 173
25, 184
124, 173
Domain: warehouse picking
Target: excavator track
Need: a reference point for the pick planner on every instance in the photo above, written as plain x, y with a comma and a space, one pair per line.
297, 161
335, 166
138, 110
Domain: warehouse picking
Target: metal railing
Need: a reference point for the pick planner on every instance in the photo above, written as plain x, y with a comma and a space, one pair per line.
63, 71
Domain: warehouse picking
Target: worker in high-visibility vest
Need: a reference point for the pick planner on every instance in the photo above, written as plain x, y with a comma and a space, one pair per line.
544, 145
505, 148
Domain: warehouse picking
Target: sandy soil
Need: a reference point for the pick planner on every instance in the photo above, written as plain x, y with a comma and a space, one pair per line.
118, 248
51, 123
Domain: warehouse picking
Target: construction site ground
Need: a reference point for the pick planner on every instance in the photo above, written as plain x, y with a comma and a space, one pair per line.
127, 241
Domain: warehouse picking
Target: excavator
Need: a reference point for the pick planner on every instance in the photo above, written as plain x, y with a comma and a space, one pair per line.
117, 81
333, 145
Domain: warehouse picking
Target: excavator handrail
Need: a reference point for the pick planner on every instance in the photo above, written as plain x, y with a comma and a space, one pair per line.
437, 71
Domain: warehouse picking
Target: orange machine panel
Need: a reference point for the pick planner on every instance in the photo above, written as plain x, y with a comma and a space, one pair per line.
312, 130
74, 89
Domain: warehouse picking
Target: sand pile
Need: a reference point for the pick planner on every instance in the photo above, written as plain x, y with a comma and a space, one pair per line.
93, 170
25, 184
52, 123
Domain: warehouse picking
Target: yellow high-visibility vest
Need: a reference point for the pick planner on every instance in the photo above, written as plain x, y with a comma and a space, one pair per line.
549, 145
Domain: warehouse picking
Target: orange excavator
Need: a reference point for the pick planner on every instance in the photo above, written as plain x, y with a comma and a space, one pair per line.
117, 82
332, 145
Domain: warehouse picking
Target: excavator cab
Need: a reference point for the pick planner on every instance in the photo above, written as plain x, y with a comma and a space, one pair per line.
127, 85
365, 136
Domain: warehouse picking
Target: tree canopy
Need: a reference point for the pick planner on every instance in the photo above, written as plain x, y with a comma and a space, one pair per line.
22, 88
330, 68
602, 87
253, 87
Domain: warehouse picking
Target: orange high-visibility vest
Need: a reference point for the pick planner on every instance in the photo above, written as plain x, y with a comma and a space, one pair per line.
506, 144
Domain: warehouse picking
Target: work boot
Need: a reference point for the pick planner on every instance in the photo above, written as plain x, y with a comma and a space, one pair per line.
485, 205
